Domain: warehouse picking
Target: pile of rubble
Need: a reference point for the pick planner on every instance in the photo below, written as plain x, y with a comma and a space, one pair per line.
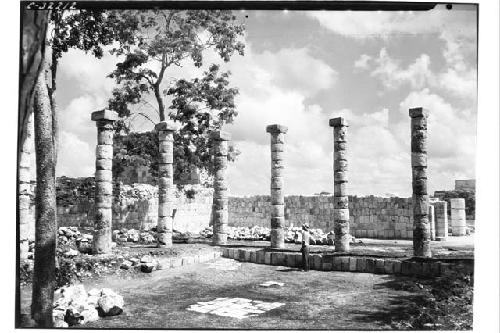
292, 234
73, 305
135, 236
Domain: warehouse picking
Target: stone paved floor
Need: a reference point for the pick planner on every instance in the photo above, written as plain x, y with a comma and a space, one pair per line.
234, 307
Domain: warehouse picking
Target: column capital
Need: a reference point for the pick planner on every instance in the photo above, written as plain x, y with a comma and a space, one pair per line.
276, 129
104, 115
338, 122
220, 135
166, 125
419, 112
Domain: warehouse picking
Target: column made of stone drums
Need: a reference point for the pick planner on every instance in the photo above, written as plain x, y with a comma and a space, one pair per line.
432, 222
341, 200
103, 180
420, 199
220, 201
164, 225
441, 220
458, 220
277, 195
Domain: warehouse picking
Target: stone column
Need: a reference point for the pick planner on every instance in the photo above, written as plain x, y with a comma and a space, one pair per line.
420, 199
458, 221
103, 180
432, 222
26, 219
341, 200
220, 201
441, 220
164, 225
277, 196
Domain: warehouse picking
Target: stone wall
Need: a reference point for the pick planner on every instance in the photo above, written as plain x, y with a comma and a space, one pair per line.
369, 216
134, 206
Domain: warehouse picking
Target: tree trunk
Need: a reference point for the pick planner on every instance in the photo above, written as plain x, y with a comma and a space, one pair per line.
26, 221
34, 29
45, 201
35, 24
161, 104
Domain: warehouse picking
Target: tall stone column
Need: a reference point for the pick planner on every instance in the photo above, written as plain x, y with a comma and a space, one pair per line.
26, 219
164, 225
103, 180
458, 220
441, 220
341, 200
420, 199
277, 195
220, 201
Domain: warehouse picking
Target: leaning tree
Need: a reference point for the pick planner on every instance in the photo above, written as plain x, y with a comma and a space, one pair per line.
47, 42
87, 30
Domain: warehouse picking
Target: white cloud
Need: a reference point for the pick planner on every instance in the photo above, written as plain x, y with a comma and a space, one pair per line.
382, 24
451, 138
363, 61
75, 157
297, 70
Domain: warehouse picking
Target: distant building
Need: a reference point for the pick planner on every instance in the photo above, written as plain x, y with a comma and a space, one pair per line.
465, 185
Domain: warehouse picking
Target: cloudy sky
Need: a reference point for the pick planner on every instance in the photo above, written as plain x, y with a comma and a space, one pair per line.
302, 68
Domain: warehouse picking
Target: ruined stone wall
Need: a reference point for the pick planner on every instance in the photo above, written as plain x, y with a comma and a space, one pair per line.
134, 206
369, 216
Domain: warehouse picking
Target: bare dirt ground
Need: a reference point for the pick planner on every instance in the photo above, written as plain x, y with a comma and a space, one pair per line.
313, 300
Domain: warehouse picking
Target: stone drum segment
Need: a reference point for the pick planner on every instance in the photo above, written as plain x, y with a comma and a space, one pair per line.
458, 220
220, 199
341, 201
441, 220
103, 180
164, 226
420, 198
277, 195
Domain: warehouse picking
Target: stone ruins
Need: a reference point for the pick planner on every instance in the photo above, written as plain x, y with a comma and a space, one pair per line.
103, 180
144, 206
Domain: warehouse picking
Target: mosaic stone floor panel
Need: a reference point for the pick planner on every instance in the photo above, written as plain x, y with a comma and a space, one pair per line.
239, 308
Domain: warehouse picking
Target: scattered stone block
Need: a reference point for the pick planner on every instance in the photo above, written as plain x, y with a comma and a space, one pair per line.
147, 267
379, 266
370, 265
110, 303
267, 258
405, 268
361, 264
388, 266
344, 264
336, 263
260, 257
352, 264
317, 262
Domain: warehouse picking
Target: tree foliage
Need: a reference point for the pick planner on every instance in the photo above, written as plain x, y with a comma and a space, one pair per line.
153, 41
160, 39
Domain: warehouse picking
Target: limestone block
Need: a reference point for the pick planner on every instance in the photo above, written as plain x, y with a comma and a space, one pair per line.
341, 214
278, 211
276, 182
104, 164
418, 159
165, 157
104, 151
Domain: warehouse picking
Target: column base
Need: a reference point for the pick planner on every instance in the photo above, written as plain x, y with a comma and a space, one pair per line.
219, 239
164, 240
